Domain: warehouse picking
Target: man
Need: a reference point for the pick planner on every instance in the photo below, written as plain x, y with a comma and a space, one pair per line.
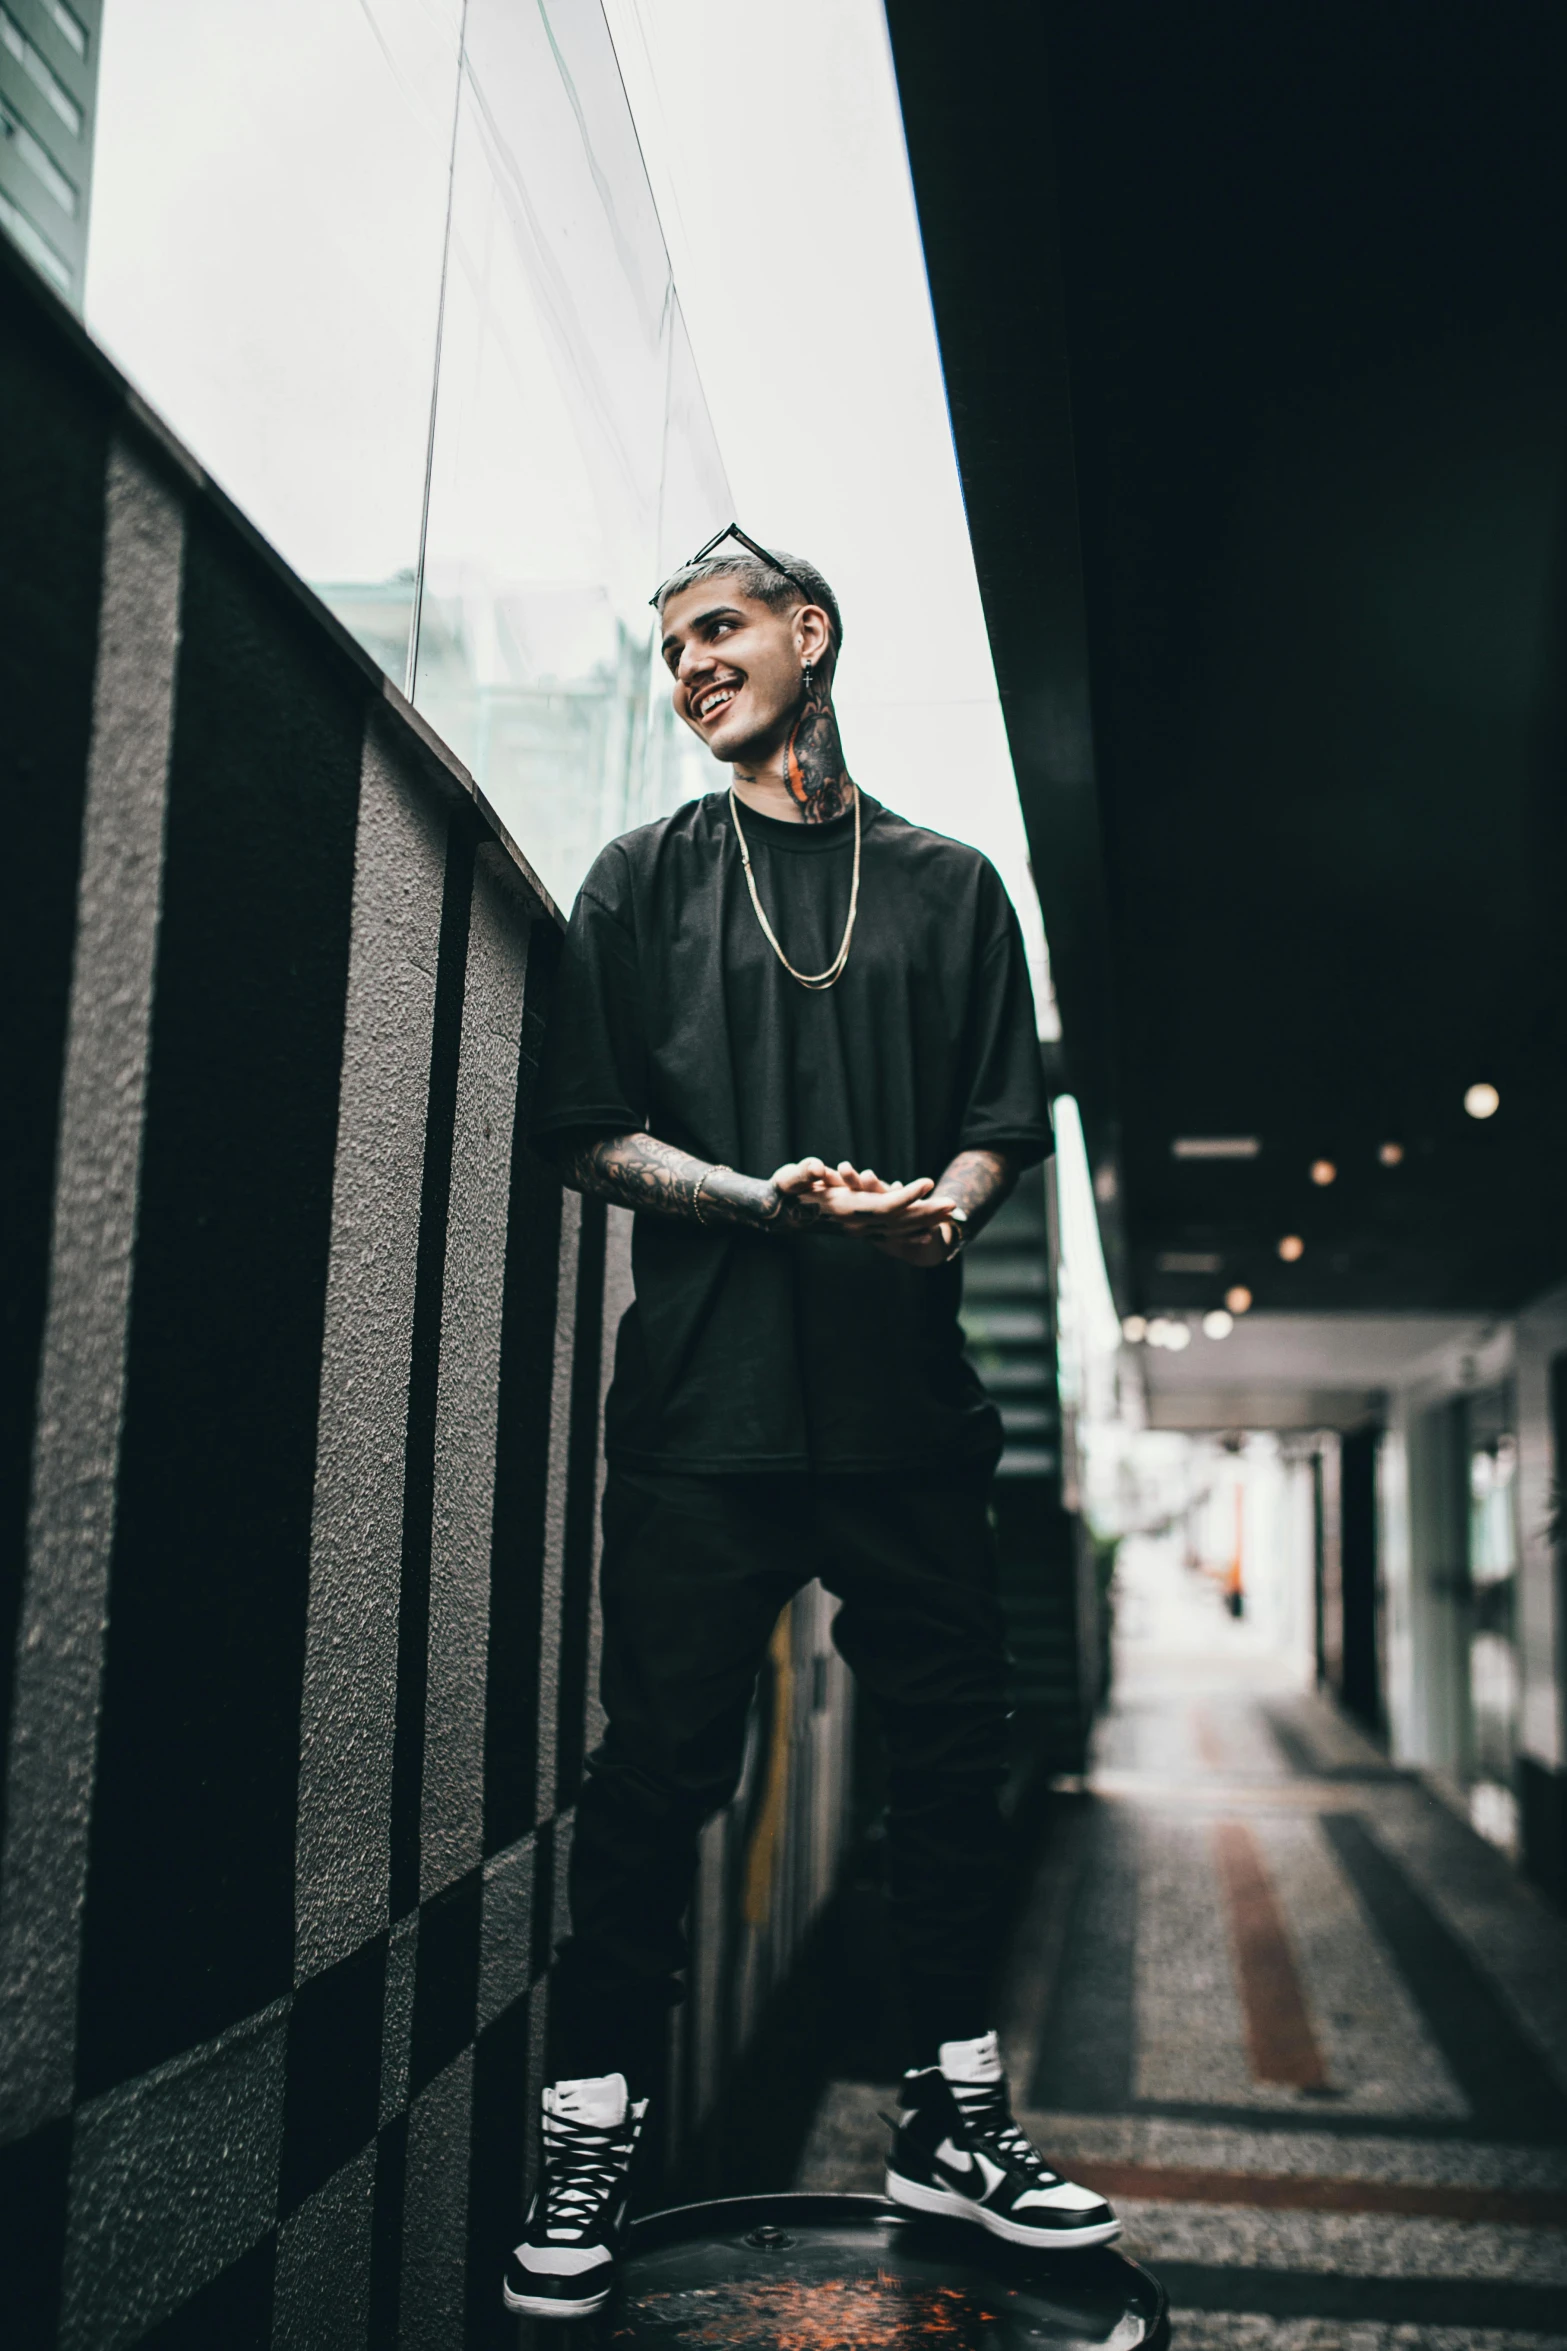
795, 1035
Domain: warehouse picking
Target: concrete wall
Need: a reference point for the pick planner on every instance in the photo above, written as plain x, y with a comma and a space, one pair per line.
300, 1395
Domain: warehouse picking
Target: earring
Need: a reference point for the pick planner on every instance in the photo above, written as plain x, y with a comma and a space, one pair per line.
808, 677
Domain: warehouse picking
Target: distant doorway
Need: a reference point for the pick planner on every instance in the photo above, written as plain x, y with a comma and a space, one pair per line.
1360, 1609
1492, 1580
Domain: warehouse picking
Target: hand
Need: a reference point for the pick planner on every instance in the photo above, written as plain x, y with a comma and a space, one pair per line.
921, 1237
905, 1220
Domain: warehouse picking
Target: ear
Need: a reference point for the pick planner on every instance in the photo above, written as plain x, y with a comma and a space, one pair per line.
812, 634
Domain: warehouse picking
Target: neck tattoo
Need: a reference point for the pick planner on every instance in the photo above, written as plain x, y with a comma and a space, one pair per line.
814, 770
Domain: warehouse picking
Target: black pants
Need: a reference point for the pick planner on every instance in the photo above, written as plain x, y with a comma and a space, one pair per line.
695, 1573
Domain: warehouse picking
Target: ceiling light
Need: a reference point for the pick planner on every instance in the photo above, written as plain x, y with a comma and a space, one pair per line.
1179, 1336
1292, 1248
1390, 1153
1323, 1171
1218, 1324
1482, 1101
1238, 1300
1134, 1330
1216, 1146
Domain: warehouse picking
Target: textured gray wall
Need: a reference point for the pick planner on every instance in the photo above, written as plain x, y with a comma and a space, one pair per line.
342, 1860
54, 1713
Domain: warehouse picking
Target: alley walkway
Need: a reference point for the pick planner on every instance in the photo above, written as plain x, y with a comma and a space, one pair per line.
1279, 2002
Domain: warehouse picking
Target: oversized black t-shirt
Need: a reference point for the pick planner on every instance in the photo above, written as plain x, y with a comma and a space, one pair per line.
759, 1350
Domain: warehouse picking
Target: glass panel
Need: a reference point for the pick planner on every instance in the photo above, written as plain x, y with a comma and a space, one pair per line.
264, 259
39, 161
572, 447
68, 25
40, 73
695, 500
34, 244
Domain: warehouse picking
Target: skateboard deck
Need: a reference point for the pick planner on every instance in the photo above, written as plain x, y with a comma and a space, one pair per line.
852, 2273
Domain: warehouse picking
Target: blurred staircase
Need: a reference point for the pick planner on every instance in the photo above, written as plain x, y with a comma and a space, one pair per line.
1046, 1575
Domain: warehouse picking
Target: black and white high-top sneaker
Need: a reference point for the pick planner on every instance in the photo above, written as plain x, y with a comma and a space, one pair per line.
565, 2265
956, 2151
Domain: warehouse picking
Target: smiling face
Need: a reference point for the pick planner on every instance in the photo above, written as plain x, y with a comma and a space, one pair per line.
737, 663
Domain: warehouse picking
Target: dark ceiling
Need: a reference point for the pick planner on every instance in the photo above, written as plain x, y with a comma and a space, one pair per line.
1254, 322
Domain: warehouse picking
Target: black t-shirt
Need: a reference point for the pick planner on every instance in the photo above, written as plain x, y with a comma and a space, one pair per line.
765, 1351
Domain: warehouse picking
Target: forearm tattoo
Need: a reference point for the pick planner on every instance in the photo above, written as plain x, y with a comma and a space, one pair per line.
640, 1172
978, 1182
813, 757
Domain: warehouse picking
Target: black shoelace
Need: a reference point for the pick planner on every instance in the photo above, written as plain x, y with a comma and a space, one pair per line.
584, 2163
986, 2112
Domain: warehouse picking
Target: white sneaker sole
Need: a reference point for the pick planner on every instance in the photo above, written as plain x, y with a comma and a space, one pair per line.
543, 2306
915, 2196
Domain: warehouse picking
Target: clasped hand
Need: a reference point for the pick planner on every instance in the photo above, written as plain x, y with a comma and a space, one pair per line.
906, 1221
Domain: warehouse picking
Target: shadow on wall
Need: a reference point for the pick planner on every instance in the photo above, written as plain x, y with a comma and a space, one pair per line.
303, 1365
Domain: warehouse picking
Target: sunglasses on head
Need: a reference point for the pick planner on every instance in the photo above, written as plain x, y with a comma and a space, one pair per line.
732, 530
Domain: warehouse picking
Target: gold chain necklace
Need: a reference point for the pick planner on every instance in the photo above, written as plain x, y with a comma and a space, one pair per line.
834, 971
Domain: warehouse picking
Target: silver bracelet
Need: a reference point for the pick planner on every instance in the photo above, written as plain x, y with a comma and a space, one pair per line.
959, 1223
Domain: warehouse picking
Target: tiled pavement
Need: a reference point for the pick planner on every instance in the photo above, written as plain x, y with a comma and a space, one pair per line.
1284, 2006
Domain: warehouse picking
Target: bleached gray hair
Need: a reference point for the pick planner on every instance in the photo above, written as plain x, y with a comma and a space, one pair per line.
759, 579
